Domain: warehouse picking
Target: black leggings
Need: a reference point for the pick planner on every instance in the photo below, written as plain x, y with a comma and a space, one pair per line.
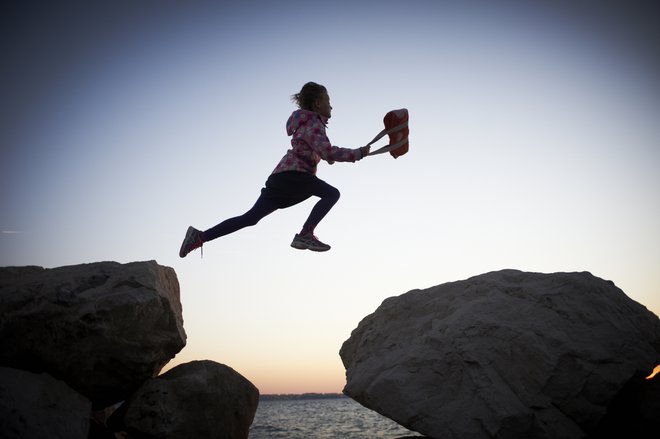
282, 190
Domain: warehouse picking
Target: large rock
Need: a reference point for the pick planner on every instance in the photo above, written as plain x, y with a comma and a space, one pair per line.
634, 413
201, 399
506, 354
103, 328
37, 406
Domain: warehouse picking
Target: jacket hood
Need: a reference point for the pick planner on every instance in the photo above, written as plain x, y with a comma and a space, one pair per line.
302, 117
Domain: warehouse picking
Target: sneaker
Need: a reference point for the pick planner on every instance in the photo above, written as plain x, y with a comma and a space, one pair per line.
192, 241
309, 242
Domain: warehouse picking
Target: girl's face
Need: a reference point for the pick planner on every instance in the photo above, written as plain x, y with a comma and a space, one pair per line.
322, 105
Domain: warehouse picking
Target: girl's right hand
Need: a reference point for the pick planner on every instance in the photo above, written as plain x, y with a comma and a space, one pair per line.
365, 151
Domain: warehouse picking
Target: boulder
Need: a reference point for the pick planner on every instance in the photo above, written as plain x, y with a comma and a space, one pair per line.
505, 354
37, 406
103, 328
634, 413
200, 399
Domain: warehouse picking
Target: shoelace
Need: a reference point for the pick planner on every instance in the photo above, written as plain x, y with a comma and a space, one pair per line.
316, 240
200, 247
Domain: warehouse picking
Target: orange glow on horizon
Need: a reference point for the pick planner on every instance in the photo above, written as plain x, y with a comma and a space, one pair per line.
654, 373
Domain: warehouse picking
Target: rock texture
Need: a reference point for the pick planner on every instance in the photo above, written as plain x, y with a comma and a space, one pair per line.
37, 406
502, 355
201, 399
103, 328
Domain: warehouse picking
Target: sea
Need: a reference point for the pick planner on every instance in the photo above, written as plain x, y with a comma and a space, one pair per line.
308, 417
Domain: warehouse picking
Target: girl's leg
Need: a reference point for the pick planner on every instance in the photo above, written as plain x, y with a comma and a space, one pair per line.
329, 196
260, 209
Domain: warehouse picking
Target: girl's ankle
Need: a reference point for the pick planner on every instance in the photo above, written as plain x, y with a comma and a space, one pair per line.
307, 230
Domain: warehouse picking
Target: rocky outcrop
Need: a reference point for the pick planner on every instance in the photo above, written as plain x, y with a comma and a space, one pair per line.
201, 399
78, 341
506, 354
103, 328
37, 406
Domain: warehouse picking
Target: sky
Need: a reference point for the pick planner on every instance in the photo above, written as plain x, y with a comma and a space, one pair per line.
534, 145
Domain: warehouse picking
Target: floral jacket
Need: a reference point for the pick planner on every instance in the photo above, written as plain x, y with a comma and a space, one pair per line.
310, 144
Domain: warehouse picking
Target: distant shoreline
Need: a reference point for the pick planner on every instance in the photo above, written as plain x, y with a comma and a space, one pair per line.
293, 396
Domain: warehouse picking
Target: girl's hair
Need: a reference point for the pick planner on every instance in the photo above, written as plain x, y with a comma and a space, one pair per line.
308, 94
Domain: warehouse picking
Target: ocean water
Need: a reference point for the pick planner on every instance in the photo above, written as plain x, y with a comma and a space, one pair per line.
324, 418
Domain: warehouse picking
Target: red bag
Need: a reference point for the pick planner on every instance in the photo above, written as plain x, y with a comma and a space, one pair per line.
396, 127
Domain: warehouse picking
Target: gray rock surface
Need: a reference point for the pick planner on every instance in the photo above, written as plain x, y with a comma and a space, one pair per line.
37, 406
502, 355
200, 399
103, 328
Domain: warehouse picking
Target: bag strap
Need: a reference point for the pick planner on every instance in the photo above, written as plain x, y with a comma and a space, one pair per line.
388, 148
383, 133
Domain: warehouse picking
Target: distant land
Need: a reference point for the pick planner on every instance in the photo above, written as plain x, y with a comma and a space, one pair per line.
302, 396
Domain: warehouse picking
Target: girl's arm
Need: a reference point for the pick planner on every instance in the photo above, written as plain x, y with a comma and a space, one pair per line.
320, 143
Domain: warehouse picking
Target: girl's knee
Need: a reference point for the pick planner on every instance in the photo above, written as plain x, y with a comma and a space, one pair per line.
334, 194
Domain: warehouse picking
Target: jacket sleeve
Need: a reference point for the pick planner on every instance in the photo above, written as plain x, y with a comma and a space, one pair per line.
319, 142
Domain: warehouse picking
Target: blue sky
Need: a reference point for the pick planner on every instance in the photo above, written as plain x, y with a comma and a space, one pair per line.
534, 145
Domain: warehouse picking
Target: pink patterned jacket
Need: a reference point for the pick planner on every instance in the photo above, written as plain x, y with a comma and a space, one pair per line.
310, 144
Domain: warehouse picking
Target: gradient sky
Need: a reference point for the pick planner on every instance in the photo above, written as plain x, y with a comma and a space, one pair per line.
534, 145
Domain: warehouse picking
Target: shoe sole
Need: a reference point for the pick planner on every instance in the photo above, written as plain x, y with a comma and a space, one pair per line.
301, 246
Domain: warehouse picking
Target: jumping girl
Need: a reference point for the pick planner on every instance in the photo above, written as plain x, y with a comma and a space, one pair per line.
294, 179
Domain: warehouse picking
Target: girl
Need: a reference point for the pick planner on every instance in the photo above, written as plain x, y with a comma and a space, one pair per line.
294, 179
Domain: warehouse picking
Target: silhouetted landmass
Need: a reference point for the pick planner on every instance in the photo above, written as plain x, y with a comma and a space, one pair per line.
301, 396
